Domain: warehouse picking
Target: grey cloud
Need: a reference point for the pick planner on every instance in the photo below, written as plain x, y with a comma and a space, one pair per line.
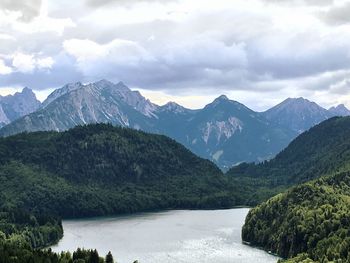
99, 3
29, 8
285, 66
340, 87
337, 15
62, 72
307, 2
319, 2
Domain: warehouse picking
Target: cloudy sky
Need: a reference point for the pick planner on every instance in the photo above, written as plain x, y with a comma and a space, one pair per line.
258, 52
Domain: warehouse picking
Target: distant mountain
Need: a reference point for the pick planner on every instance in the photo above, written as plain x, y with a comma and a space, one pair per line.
297, 114
224, 131
76, 104
228, 132
339, 110
15, 106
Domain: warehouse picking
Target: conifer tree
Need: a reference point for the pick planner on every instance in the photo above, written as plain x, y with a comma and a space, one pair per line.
109, 258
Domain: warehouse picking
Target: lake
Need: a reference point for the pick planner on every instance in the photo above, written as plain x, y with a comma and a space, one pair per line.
171, 236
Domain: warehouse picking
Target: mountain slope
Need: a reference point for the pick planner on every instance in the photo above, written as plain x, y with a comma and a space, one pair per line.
312, 218
100, 169
15, 106
228, 132
297, 114
323, 149
60, 92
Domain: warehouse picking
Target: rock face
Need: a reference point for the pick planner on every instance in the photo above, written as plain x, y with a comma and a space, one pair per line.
15, 106
224, 131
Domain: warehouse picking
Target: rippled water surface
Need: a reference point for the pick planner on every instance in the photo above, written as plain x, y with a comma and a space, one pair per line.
172, 236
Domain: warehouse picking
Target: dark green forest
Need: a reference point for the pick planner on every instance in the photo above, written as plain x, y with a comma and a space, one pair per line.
312, 218
323, 150
102, 170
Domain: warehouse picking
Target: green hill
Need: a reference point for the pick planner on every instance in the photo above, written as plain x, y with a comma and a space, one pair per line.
310, 222
322, 150
99, 169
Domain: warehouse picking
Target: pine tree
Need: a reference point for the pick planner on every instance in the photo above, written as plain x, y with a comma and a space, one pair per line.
94, 258
109, 258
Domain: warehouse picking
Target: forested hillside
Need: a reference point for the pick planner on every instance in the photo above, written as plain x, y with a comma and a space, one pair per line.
312, 219
99, 170
322, 150
309, 222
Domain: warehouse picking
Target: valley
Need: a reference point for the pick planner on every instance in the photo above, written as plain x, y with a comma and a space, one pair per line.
48, 175
72, 173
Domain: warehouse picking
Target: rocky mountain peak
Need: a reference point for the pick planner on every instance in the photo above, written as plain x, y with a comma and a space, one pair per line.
220, 99
62, 91
340, 110
27, 90
17, 105
297, 114
173, 107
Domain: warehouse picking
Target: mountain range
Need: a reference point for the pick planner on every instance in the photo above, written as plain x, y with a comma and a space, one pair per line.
224, 131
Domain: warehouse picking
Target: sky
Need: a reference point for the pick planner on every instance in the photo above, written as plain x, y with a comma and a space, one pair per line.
258, 52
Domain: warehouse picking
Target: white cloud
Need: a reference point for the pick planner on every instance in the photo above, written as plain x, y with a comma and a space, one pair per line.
84, 49
95, 59
43, 24
27, 63
4, 70
26, 19
45, 63
23, 63
6, 37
